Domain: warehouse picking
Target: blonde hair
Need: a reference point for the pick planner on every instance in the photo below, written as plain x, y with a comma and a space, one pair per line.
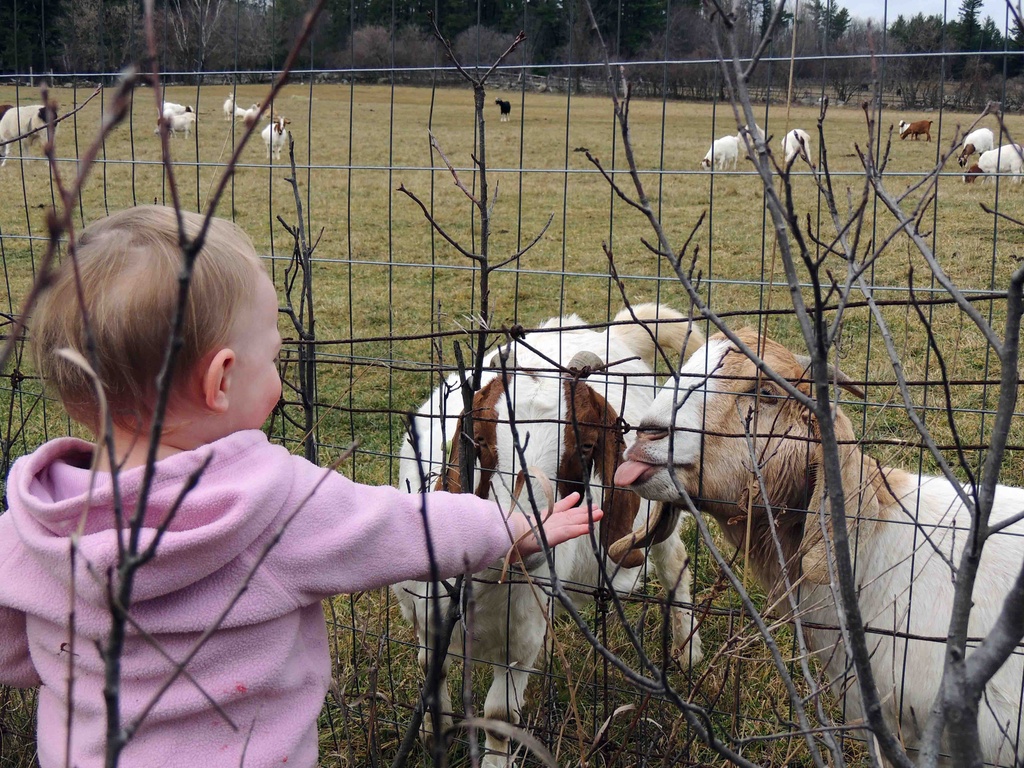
129, 266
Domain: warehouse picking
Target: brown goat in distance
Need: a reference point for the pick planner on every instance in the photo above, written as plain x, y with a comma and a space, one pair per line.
916, 129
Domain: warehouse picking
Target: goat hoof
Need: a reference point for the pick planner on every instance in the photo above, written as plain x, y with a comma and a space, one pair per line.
689, 655
496, 760
427, 730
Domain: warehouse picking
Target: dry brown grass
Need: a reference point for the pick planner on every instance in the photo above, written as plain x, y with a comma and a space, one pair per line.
380, 273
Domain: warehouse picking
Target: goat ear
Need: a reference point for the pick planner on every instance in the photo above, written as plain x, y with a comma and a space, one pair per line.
620, 505
663, 520
485, 437
862, 480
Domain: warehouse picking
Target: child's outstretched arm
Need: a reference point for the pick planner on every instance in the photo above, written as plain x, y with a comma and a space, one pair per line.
565, 521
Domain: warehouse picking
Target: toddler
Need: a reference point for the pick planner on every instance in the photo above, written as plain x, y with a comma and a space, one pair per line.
266, 663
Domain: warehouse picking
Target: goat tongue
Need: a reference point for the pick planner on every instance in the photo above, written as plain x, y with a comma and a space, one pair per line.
631, 471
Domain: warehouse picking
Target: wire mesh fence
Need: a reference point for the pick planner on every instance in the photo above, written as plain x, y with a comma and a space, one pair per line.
419, 224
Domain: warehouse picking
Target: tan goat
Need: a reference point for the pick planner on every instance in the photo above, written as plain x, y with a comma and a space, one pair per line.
905, 527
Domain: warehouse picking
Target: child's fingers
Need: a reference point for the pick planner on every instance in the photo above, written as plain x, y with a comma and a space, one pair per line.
570, 524
568, 502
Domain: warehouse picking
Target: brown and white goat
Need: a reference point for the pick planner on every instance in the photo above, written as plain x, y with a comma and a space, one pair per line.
27, 123
275, 136
906, 527
1007, 160
981, 140
916, 129
566, 408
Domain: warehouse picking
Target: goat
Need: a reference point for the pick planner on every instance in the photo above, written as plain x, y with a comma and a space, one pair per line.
746, 134
1005, 159
229, 107
176, 124
250, 116
506, 109
719, 390
979, 141
275, 136
797, 143
916, 129
569, 428
755, 134
22, 122
725, 150
170, 109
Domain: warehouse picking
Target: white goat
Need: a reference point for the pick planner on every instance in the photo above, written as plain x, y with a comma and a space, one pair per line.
229, 107
981, 140
1001, 160
754, 135
745, 134
569, 429
170, 109
797, 143
275, 136
29, 122
725, 150
176, 124
894, 562
249, 115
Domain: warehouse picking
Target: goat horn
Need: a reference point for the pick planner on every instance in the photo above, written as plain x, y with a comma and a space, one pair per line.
586, 359
834, 374
661, 521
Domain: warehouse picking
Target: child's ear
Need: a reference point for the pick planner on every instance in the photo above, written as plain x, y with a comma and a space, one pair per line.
216, 380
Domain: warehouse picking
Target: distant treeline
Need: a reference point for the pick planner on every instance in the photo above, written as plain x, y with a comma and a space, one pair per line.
960, 62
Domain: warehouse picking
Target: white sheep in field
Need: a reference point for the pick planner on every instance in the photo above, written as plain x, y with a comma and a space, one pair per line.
16, 122
1001, 160
570, 430
895, 561
176, 124
170, 109
724, 151
981, 140
797, 143
275, 136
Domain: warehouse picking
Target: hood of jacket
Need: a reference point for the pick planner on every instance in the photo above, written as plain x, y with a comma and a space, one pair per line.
205, 509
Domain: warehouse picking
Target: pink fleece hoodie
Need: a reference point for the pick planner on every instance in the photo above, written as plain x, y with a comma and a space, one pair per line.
268, 663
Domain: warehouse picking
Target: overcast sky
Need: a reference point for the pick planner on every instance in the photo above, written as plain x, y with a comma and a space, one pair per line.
876, 9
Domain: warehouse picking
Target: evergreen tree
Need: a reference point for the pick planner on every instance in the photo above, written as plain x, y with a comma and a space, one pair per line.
29, 40
830, 20
767, 10
968, 28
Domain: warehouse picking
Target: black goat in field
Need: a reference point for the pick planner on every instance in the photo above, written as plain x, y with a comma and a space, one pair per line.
506, 109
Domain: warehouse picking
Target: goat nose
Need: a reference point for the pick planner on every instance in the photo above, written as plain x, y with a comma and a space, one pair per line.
650, 434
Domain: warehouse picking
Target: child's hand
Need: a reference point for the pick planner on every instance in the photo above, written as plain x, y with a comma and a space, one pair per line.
566, 521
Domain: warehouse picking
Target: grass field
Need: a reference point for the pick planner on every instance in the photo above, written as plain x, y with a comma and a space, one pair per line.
383, 281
